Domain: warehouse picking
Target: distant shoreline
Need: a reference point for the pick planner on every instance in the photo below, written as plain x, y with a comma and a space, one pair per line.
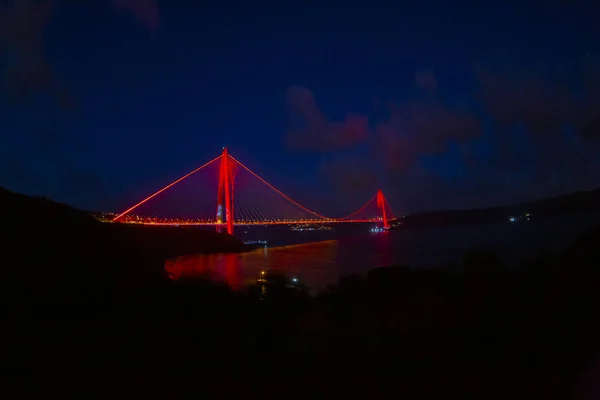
569, 204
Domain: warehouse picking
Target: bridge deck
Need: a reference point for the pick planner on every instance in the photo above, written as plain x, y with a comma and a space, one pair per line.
257, 222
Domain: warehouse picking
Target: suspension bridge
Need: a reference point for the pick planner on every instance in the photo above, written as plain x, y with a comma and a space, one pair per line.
225, 193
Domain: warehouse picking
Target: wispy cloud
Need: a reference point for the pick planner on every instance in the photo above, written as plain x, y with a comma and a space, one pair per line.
145, 10
539, 139
313, 131
27, 71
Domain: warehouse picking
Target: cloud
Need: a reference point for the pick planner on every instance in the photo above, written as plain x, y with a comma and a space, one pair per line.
590, 123
48, 161
543, 106
409, 130
22, 23
28, 72
414, 128
350, 173
482, 185
426, 80
527, 152
421, 127
145, 10
351, 180
419, 189
314, 132
22, 26
433, 154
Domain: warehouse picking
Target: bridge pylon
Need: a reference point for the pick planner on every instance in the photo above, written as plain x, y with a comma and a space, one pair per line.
225, 194
256, 201
381, 205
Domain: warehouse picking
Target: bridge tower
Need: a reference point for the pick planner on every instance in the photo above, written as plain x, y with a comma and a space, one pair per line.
381, 205
225, 194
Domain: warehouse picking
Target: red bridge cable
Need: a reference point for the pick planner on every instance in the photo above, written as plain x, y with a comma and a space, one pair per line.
165, 188
279, 192
280, 208
359, 210
391, 213
243, 203
296, 203
280, 204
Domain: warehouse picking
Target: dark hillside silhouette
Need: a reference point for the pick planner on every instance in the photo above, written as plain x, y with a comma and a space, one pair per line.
578, 202
85, 305
52, 248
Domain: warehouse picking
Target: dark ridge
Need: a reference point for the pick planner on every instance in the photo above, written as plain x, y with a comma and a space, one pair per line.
54, 248
578, 202
84, 310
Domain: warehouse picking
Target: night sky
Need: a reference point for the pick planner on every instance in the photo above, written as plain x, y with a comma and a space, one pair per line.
441, 104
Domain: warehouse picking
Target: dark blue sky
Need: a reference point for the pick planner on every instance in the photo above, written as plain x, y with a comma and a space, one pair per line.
442, 104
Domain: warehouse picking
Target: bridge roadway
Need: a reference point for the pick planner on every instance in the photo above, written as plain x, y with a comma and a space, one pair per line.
247, 223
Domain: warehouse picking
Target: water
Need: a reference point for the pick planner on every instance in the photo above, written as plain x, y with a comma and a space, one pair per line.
354, 250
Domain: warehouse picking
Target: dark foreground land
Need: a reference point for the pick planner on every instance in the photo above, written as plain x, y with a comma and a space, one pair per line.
84, 310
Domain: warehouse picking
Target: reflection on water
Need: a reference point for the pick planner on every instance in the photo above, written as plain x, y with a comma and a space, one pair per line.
218, 267
238, 270
316, 265
320, 264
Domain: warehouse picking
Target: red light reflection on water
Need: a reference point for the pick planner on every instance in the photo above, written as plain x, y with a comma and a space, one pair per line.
314, 264
217, 267
231, 270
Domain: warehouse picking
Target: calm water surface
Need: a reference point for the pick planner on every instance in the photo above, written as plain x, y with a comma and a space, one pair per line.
356, 251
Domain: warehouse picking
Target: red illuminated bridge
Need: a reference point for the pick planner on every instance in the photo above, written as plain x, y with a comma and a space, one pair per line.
224, 193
